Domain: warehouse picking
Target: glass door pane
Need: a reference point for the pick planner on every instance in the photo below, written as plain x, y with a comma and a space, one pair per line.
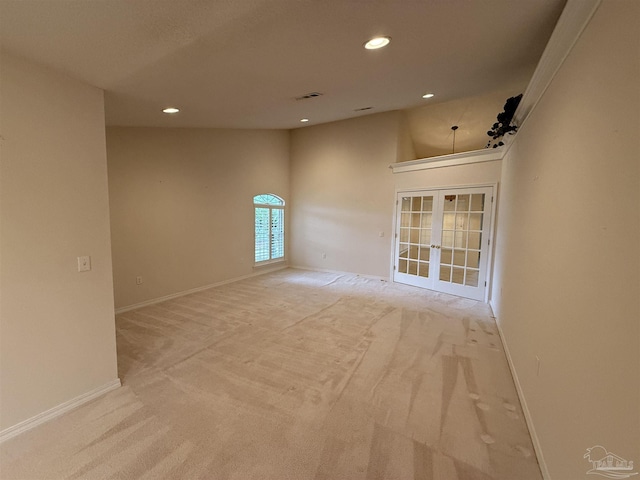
464, 250
459, 262
413, 260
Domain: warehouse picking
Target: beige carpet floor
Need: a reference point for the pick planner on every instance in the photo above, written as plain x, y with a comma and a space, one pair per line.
295, 375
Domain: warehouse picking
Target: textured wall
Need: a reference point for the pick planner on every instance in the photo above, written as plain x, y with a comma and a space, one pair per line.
58, 335
182, 205
567, 274
342, 191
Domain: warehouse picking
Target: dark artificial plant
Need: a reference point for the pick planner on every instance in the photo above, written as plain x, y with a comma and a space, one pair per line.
504, 126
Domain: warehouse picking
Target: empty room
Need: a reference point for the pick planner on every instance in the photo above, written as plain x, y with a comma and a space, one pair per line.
292, 239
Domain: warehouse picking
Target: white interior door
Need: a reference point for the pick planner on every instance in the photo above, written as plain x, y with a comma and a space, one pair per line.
442, 240
414, 235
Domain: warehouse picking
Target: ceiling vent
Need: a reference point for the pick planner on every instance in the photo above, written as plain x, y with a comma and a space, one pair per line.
309, 95
362, 109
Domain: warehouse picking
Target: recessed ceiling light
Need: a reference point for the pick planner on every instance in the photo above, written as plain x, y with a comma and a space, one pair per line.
304, 120
377, 42
427, 95
171, 110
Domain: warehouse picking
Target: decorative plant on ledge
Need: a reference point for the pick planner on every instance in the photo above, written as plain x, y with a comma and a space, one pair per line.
504, 126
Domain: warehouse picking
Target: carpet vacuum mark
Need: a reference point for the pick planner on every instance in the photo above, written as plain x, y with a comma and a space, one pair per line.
295, 375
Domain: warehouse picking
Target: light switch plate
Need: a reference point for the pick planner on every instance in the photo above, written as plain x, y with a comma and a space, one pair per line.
84, 264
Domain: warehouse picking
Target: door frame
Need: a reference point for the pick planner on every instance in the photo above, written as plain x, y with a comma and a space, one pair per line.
494, 204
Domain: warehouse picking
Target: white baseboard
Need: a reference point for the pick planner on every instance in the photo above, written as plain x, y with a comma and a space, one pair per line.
260, 271
527, 414
493, 310
54, 412
340, 272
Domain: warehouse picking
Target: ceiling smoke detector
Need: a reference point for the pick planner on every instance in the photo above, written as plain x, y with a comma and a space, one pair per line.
309, 95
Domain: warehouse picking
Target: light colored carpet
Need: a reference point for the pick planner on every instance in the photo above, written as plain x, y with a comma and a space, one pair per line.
295, 375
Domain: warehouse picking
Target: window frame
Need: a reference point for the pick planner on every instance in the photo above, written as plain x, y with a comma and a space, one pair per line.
271, 202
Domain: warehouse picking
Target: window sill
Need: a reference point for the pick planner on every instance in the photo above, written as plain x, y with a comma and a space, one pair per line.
270, 264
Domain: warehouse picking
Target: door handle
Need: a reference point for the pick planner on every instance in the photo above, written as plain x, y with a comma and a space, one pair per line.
435, 246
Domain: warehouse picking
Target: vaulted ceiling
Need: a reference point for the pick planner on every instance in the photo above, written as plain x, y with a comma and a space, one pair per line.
242, 63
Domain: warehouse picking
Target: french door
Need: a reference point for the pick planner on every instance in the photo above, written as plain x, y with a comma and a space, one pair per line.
442, 240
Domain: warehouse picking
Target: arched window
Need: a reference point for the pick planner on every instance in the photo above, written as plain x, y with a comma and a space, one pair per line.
269, 227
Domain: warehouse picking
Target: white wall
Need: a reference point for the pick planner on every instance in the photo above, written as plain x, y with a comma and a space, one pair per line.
182, 205
406, 150
342, 194
57, 325
567, 277
482, 173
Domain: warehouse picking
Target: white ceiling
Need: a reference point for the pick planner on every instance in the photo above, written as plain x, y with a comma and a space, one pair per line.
241, 63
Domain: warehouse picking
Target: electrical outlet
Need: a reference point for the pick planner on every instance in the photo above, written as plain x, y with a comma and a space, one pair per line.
84, 264
138, 280
324, 256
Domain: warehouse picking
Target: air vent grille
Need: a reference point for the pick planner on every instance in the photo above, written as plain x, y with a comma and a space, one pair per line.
309, 95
